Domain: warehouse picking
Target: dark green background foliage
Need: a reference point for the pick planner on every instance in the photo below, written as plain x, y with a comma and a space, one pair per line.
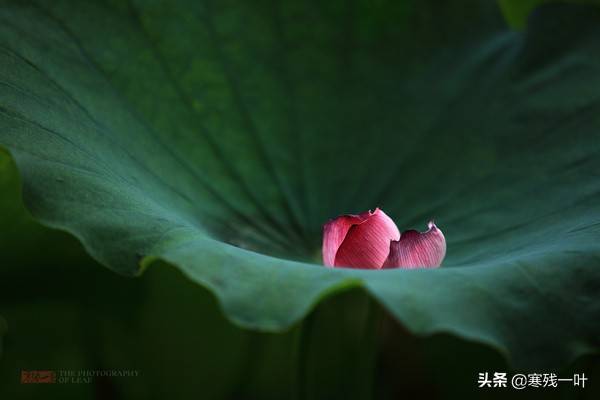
209, 140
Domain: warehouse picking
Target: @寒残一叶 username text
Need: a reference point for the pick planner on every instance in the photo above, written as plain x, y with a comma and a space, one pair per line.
522, 381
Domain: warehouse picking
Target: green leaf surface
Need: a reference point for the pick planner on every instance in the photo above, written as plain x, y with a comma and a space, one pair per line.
219, 136
169, 330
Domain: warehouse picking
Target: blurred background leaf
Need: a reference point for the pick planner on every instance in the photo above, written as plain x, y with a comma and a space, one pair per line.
516, 12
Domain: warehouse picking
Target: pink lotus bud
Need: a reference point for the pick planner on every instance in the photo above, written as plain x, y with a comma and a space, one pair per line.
418, 249
371, 240
359, 241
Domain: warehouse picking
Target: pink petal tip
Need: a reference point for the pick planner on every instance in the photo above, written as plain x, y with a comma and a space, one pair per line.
418, 249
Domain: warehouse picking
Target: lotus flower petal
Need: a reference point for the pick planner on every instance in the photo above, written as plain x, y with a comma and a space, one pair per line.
418, 249
334, 233
367, 243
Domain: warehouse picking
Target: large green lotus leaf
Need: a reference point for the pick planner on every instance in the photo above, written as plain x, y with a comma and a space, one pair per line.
219, 136
58, 286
